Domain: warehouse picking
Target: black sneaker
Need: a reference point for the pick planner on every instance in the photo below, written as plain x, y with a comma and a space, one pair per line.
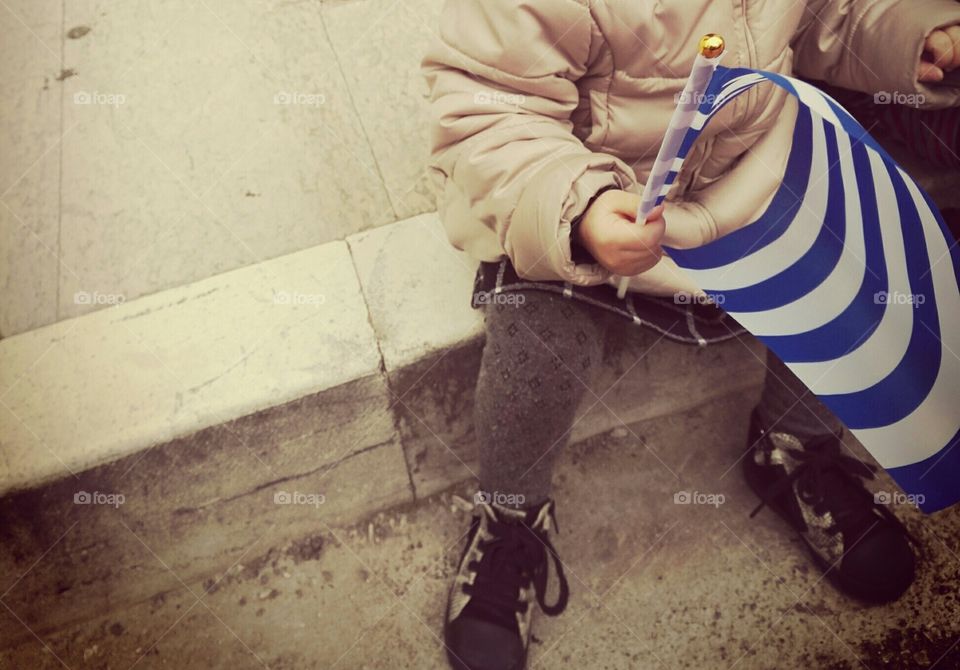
860, 545
503, 570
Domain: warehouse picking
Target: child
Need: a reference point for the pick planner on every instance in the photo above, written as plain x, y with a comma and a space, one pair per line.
547, 115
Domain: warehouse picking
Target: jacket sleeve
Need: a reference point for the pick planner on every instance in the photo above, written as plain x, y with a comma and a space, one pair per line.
502, 77
875, 46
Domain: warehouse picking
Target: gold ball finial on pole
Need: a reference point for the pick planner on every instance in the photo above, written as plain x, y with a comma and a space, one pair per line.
711, 46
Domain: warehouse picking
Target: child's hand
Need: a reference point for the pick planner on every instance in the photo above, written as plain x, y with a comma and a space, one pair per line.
609, 232
941, 54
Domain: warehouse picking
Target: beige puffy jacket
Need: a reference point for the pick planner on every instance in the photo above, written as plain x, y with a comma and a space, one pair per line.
538, 104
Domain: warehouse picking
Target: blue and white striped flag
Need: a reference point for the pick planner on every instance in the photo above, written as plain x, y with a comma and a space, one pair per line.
849, 274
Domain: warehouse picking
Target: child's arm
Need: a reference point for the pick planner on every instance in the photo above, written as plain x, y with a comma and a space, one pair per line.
875, 46
502, 79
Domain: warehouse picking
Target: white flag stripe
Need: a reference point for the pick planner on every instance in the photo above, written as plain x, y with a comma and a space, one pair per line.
733, 88
825, 302
789, 247
880, 353
927, 429
817, 101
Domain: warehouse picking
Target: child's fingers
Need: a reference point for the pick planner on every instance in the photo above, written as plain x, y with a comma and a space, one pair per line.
638, 246
941, 48
630, 265
640, 238
953, 32
928, 72
623, 203
655, 213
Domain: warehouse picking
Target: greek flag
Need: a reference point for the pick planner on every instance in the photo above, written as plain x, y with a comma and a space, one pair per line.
849, 274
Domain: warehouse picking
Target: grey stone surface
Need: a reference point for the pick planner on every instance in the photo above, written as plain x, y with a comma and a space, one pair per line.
29, 168
234, 140
417, 288
654, 584
379, 45
187, 510
89, 390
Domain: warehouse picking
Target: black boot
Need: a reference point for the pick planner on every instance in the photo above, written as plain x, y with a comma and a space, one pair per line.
502, 571
863, 548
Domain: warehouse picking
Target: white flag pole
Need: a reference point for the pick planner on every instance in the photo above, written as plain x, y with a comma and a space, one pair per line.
710, 50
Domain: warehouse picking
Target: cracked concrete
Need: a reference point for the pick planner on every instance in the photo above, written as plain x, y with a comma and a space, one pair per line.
655, 584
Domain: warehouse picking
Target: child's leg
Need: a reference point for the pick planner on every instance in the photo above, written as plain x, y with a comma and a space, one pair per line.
538, 360
933, 135
930, 134
788, 406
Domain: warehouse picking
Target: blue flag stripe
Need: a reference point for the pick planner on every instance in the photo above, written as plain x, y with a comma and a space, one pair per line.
816, 263
902, 391
861, 316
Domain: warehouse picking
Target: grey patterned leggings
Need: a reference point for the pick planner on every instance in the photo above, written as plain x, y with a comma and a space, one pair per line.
540, 356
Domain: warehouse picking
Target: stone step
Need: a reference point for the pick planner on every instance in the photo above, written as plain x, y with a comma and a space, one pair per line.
161, 440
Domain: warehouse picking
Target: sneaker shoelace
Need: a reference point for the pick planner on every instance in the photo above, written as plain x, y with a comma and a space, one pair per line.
829, 480
512, 559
